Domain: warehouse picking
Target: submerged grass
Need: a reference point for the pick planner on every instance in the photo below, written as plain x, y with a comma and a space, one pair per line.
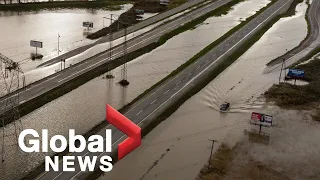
291, 96
219, 165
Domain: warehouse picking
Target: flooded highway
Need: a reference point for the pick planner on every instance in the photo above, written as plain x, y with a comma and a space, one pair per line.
179, 147
84, 107
45, 26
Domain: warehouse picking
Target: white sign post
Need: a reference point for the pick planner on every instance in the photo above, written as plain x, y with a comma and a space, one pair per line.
36, 44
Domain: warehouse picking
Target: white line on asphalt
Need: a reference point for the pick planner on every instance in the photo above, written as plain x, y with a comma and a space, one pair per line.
207, 61
164, 84
178, 82
198, 67
166, 92
153, 101
190, 81
189, 74
139, 112
57, 176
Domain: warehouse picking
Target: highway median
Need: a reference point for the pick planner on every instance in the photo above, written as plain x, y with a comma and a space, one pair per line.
47, 97
201, 83
69, 86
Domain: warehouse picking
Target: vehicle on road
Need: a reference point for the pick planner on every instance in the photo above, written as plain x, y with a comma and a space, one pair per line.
225, 106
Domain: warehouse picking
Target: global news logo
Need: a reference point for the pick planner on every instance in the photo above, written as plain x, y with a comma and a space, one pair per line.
94, 144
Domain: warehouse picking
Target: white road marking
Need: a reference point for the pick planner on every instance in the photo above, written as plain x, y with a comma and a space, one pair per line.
153, 101
178, 83
190, 81
166, 92
57, 176
139, 112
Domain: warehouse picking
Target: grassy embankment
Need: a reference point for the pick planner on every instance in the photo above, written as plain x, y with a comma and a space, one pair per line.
305, 97
278, 60
37, 6
221, 66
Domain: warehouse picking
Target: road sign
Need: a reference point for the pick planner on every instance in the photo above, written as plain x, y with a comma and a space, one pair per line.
295, 73
87, 24
37, 44
261, 119
128, 127
139, 11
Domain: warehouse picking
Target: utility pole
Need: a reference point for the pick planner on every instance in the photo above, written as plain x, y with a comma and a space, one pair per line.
281, 70
109, 74
58, 43
283, 62
124, 80
213, 141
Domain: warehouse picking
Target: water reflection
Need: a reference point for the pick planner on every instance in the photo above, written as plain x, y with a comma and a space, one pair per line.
123, 96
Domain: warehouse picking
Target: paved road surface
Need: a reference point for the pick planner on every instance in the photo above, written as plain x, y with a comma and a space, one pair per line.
150, 106
314, 19
130, 29
55, 80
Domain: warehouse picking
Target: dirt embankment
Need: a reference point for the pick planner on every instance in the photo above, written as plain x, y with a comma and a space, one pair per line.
131, 17
290, 96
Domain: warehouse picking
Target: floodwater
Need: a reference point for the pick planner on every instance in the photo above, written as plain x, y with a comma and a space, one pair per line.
179, 147
45, 26
32, 74
82, 108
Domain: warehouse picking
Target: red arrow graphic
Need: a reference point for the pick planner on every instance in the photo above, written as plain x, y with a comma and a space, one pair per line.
128, 127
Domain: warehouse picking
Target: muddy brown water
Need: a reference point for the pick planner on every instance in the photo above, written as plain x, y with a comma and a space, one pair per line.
187, 132
81, 109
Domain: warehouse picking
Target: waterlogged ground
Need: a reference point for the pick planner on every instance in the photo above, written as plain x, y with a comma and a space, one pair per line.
32, 74
179, 147
21, 27
84, 107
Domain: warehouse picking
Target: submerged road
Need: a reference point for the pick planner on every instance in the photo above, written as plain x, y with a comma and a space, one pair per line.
40, 87
121, 33
153, 104
313, 16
